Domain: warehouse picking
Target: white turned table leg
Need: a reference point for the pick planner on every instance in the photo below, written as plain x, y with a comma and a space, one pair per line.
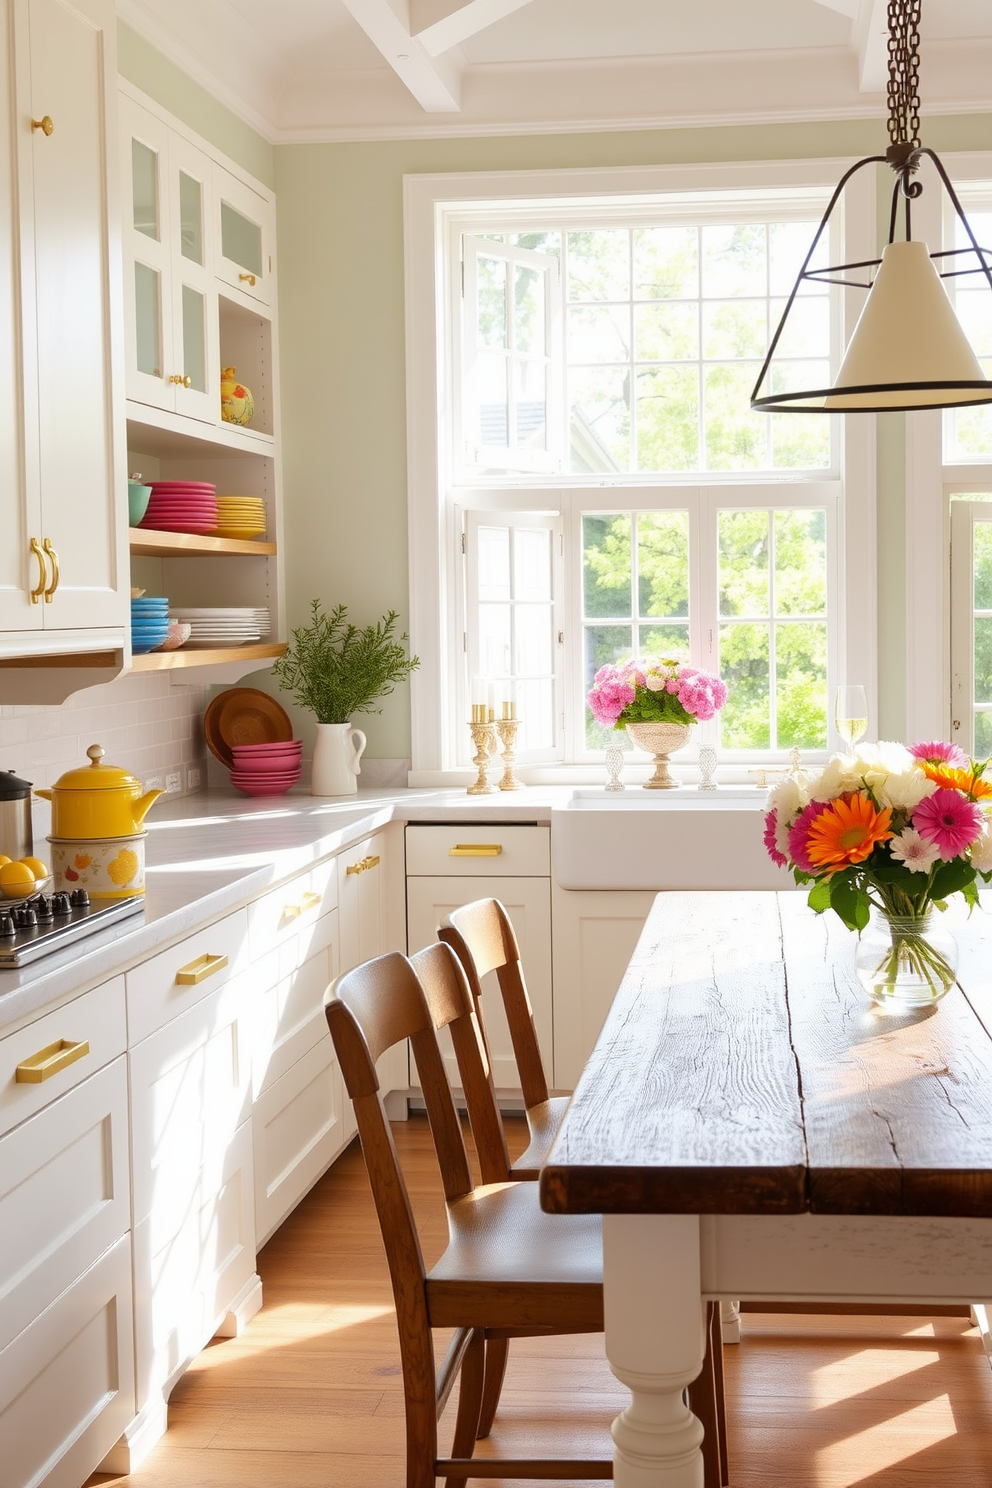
654, 1344
730, 1321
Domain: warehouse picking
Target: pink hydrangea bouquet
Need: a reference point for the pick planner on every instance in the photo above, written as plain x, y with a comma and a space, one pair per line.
654, 689
891, 828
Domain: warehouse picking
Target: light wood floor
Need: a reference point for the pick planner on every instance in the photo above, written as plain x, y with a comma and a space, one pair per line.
310, 1395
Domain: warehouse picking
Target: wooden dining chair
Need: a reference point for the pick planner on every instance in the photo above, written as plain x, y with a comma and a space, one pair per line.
483, 939
509, 1269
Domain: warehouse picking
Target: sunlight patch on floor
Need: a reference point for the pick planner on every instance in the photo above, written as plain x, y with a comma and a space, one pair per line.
287, 1324
900, 1436
832, 1382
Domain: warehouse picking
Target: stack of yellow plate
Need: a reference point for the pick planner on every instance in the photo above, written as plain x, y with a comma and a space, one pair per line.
240, 516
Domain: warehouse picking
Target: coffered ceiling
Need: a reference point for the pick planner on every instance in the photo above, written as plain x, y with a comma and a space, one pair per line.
372, 69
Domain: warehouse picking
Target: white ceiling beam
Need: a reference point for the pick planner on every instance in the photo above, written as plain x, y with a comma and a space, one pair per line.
435, 82
460, 22
871, 40
845, 7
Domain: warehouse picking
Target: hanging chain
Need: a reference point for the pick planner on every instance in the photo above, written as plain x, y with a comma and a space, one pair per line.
904, 72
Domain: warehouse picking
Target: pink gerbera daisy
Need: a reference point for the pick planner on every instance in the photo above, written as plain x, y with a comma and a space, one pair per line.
799, 835
771, 825
937, 752
949, 821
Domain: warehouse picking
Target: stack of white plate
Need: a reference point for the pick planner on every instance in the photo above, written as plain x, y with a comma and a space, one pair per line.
264, 621
229, 626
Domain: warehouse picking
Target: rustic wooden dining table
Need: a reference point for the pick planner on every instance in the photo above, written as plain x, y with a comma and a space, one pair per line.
750, 1126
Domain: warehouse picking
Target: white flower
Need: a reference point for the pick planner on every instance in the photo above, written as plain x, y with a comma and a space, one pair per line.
910, 849
653, 682
894, 777
787, 798
981, 850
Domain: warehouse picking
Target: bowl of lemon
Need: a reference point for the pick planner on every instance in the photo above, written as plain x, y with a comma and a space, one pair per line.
22, 877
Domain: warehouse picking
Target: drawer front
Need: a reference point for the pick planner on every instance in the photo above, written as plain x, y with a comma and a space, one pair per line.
292, 912
96, 1019
63, 1194
186, 1285
478, 851
190, 1091
289, 1019
299, 1125
67, 1381
202, 963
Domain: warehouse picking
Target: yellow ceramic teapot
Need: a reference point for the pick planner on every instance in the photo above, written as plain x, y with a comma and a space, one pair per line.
97, 801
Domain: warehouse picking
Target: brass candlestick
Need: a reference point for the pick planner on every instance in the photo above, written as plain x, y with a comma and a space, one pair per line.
507, 727
484, 738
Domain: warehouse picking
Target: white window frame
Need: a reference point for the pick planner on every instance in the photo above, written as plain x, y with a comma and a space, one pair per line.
926, 613
964, 516
436, 625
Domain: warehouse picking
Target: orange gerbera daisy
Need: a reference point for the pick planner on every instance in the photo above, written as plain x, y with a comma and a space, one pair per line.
963, 780
847, 831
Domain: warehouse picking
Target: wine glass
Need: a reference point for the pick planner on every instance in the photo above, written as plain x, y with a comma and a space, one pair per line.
851, 714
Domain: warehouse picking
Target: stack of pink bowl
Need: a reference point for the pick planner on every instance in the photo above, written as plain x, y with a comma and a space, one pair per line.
266, 769
181, 506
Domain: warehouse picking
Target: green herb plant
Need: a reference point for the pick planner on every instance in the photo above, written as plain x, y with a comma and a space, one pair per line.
336, 669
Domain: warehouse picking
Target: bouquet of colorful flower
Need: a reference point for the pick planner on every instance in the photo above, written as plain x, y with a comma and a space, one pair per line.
890, 827
654, 689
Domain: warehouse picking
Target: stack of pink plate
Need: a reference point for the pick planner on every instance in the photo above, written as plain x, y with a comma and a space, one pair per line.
266, 769
181, 506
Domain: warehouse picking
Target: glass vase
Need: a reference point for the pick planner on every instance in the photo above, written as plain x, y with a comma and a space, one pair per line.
906, 961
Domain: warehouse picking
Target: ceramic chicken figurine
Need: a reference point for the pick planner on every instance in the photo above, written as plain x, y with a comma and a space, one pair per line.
237, 406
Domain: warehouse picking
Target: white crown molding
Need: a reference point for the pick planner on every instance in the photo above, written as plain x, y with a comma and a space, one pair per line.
608, 95
192, 63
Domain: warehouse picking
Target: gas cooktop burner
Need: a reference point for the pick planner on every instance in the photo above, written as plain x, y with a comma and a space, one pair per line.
46, 922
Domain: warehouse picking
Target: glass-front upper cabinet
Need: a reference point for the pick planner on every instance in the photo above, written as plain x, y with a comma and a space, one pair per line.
170, 299
244, 238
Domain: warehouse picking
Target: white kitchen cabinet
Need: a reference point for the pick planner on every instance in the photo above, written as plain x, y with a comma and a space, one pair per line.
370, 884
299, 1123
594, 938
192, 1188
64, 582
451, 866
200, 296
66, 1345
170, 298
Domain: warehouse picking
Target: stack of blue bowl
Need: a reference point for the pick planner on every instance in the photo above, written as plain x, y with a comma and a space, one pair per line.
149, 623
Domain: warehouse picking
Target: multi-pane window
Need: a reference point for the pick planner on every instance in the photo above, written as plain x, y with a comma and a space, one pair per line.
632, 350
753, 578
971, 621
968, 431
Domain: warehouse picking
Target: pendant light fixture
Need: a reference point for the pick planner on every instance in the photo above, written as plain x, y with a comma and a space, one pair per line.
908, 349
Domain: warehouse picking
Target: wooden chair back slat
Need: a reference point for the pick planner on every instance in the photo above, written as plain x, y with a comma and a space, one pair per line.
483, 939
452, 1006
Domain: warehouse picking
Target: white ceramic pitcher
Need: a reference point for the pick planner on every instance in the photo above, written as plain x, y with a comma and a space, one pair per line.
336, 755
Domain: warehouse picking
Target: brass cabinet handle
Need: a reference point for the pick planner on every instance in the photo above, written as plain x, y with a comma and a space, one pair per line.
371, 862
355, 867
56, 571
49, 1061
475, 850
197, 971
248, 279
45, 125
39, 553
310, 900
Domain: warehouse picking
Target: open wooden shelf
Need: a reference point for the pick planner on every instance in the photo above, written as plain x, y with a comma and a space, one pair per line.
146, 543
200, 656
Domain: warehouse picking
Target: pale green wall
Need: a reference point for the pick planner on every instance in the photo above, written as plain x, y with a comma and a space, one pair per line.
162, 80
341, 320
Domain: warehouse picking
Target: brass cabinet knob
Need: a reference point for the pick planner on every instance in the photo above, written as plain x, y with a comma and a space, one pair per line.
248, 279
186, 381
45, 125
42, 585
53, 559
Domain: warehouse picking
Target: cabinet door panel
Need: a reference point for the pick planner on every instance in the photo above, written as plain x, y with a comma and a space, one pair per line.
21, 505
299, 1125
67, 1381
244, 237
64, 1195
594, 938
73, 63
528, 903
148, 324
196, 338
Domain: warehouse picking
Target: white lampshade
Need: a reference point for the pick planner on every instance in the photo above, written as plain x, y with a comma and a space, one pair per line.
907, 337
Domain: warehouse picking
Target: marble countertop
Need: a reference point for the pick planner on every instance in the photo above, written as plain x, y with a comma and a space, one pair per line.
212, 852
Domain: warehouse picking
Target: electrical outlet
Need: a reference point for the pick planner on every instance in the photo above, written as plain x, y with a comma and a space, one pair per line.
153, 782
174, 781
193, 778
